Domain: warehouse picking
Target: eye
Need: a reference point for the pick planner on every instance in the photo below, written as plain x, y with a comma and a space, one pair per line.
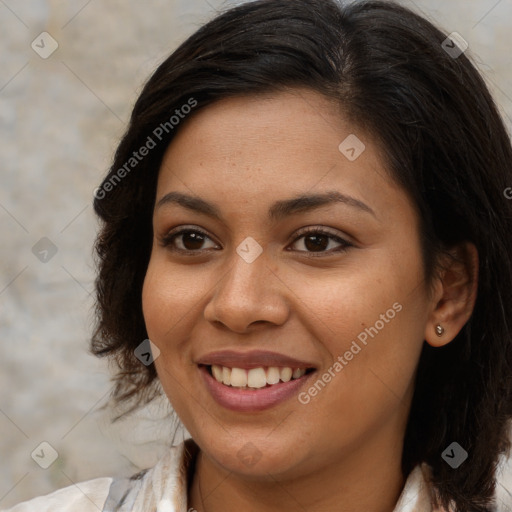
318, 240
190, 240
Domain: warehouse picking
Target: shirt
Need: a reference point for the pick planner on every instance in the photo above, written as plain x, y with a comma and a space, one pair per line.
164, 488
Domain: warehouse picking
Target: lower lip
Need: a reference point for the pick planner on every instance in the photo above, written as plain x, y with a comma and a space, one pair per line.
246, 400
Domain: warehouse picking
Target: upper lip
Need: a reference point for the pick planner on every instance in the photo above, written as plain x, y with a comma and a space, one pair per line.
251, 359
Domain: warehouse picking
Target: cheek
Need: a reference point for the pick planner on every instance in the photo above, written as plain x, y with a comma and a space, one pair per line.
371, 348
374, 320
155, 302
338, 306
168, 296
165, 307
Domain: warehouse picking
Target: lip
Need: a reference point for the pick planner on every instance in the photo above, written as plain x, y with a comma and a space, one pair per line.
251, 359
251, 400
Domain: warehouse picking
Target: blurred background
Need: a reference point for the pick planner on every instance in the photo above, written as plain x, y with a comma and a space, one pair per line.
65, 98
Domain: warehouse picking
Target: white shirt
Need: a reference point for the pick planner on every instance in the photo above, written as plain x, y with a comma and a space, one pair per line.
163, 488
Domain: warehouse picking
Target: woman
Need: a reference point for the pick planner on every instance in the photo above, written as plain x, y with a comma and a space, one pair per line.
307, 217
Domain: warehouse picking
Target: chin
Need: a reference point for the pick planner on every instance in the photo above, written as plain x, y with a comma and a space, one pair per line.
254, 457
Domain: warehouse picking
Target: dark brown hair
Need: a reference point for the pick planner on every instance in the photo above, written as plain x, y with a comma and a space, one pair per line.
444, 142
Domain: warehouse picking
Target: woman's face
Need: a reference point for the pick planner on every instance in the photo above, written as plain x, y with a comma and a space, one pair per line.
249, 283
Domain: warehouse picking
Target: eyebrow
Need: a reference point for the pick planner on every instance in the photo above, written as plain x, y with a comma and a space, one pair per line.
277, 211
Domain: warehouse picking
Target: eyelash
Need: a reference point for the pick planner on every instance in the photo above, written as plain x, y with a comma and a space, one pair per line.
168, 239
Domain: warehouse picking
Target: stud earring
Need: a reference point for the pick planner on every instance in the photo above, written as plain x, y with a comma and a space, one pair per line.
439, 330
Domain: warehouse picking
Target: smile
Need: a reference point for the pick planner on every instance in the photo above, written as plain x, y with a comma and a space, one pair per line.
254, 389
255, 378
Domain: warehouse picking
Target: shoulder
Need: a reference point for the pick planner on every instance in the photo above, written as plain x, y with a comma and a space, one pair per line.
418, 492
165, 482
87, 496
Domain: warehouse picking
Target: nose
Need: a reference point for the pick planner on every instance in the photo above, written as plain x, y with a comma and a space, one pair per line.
248, 295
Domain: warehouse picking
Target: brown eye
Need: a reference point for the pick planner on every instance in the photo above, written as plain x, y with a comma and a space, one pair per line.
318, 241
186, 240
192, 240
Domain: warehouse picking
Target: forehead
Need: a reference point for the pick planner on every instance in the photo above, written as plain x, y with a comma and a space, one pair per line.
256, 150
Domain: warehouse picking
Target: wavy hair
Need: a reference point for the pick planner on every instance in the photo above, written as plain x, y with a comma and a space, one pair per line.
443, 141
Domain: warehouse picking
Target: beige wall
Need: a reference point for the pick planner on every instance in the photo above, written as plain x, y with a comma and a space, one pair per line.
60, 119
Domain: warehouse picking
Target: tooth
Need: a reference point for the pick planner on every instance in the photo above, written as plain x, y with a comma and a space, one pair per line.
273, 375
298, 372
238, 377
256, 378
226, 376
217, 372
286, 374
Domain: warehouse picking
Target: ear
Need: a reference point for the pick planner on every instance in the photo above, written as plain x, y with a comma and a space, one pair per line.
454, 295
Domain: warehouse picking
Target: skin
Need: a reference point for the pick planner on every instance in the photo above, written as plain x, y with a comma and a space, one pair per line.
342, 450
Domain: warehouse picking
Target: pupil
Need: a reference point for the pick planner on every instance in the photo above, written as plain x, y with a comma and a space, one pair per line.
193, 238
317, 242
313, 242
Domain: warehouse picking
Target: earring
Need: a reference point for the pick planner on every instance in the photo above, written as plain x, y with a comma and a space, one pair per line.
439, 330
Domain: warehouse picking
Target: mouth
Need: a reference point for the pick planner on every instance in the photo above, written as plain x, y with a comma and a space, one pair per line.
253, 389
255, 378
